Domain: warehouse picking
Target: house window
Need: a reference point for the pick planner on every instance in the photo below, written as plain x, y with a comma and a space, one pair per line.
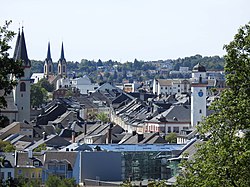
169, 129
176, 129
9, 174
21, 95
62, 167
22, 87
19, 172
36, 163
33, 175
39, 174
2, 175
52, 166
178, 85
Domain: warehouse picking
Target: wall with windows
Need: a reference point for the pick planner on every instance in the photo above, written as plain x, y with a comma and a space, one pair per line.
28, 172
6, 173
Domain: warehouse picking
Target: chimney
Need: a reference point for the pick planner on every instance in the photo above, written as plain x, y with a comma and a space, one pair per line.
85, 128
133, 133
44, 136
30, 154
73, 137
109, 135
140, 137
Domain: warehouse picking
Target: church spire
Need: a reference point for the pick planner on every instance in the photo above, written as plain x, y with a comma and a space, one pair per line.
62, 53
17, 43
21, 53
48, 53
62, 64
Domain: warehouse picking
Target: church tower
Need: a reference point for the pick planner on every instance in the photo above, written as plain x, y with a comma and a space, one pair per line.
48, 64
62, 65
198, 94
22, 90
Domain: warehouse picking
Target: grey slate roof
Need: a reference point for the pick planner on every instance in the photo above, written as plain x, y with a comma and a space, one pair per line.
179, 113
69, 156
146, 138
16, 46
48, 59
21, 53
23, 160
54, 141
62, 58
10, 157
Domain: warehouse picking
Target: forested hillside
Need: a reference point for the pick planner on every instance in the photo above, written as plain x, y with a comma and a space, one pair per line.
101, 71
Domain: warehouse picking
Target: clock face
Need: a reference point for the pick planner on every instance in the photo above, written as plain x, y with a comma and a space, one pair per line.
200, 93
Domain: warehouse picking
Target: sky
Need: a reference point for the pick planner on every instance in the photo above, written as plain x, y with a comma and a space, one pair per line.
123, 30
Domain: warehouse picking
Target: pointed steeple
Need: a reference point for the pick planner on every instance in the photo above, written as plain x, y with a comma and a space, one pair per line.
22, 51
62, 53
17, 43
62, 64
48, 53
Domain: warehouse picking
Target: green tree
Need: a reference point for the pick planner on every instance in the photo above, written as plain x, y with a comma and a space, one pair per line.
41, 147
171, 138
38, 95
6, 146
102, 117
44, 83
224, 159
55, 181
8, 65
161, 183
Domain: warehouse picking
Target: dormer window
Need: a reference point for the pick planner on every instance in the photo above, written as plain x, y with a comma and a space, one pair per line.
36, 163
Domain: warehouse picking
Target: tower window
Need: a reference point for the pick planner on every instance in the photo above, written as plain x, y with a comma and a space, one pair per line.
22, 87
64, 69
200, 79
200, 111
50, 69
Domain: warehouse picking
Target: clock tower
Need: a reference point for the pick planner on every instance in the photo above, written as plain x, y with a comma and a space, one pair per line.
198, 94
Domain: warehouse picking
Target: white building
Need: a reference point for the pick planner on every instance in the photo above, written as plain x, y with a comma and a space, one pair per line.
36, 77
84, 84
63, 83
198, 94
171, 86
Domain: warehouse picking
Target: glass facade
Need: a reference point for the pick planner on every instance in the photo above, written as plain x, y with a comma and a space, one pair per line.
144, 161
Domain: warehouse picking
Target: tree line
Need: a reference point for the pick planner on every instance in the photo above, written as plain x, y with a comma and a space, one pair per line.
109, 71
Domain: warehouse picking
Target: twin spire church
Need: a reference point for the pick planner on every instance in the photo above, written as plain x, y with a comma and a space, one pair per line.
49, 71
18, 102
49, 67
